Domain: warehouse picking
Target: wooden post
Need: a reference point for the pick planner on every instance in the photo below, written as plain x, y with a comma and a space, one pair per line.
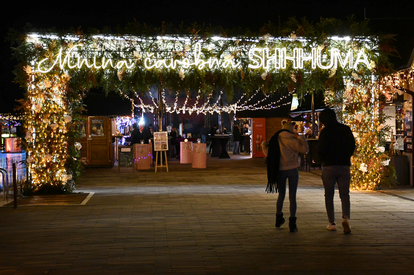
160, 109
313, 114
411, 93
161, 162
14, 185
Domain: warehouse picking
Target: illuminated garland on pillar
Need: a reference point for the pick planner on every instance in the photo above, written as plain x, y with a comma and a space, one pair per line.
46, 131
361, 108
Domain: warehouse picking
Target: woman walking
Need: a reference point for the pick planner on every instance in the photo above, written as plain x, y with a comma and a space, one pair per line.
282, 165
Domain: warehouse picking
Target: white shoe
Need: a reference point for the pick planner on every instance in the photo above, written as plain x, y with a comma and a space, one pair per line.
346, 225
331, 227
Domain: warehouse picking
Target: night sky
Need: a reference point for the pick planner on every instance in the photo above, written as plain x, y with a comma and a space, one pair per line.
387, 17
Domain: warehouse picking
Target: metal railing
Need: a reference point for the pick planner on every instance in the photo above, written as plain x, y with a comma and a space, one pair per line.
9, 188
5, 181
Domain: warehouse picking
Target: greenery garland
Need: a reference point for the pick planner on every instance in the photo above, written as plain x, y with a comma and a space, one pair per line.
140, 79
74, 83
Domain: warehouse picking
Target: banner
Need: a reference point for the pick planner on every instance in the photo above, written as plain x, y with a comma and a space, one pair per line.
258, 136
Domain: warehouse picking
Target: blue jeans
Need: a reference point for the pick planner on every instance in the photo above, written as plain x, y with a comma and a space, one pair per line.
341, 175
293, 176
236, 147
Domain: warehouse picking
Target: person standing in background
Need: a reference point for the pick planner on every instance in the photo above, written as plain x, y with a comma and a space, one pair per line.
213, 131
151, 131
135, 134
242, 133
236, 138
174, 142
203, 133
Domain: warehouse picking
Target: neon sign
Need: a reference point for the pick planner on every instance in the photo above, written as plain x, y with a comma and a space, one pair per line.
150, 62
258, 58
74, 60
263, 58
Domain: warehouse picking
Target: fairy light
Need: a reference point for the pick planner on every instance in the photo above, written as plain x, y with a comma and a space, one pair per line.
260, 101
153, 99
145, 108
194, 108
176, 101
398, 80
140, 158
240, 105
14, 118
47, 107
49, 117
205, 104
185, 103
167, 108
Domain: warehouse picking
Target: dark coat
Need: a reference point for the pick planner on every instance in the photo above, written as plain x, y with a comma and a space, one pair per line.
336, 145
213, 131
236, 133
243, 131
173, 138
137, 136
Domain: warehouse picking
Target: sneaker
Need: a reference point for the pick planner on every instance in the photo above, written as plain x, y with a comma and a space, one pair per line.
331, 227
346, 225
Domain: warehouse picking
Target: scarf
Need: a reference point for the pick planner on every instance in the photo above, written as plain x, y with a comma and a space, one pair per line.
273, 163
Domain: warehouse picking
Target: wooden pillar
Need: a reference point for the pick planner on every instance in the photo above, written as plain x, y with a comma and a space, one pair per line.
411, 93
313, 114
160, 110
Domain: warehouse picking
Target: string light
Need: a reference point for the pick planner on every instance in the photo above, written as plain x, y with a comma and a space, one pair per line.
240, 105
397, 81
11, 119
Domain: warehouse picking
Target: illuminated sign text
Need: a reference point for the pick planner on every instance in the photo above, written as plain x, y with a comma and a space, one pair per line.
258, 58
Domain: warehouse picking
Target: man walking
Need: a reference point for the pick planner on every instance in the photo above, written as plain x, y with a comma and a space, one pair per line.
336, 146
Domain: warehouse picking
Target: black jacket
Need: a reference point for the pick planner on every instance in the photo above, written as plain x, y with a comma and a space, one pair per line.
236, 133
137, 136
336, 145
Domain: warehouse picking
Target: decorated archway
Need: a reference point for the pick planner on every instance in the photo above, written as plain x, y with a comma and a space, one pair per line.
58, 69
